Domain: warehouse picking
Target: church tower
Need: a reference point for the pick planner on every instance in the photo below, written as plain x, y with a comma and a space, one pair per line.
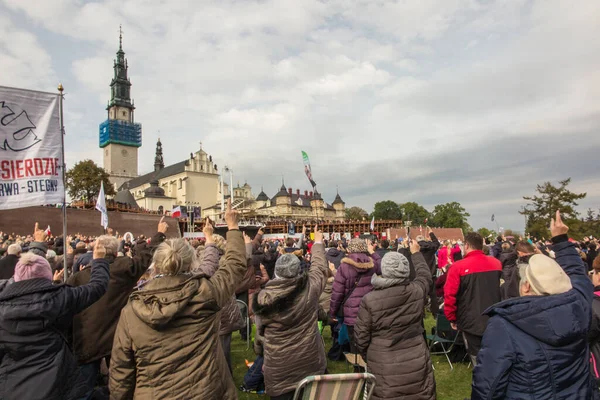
120, 136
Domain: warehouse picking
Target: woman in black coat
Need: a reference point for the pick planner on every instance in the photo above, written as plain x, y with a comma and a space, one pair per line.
35, 359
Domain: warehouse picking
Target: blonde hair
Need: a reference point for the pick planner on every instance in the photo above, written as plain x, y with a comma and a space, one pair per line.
220, 243
173, 256
110, 243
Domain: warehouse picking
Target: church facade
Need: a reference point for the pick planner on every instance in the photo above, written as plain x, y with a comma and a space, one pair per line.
193, 182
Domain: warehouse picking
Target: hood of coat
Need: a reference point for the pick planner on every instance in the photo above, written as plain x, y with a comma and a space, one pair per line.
279, 295
361, 262
556, 320
169, 297
25, 305
427, 246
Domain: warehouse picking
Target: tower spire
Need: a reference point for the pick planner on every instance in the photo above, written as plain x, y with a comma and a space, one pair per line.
120, 85
158, 158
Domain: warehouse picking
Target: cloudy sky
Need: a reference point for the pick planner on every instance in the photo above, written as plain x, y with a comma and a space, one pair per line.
427, 101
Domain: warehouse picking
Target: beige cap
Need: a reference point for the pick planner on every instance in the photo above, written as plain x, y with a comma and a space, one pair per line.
546, 277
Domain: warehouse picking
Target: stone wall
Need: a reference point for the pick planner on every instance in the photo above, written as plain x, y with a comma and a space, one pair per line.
86, 222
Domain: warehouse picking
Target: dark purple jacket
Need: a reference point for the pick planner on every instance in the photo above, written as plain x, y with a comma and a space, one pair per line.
354, 267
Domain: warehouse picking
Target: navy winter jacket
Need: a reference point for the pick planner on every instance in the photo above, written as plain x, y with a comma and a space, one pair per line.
535, 347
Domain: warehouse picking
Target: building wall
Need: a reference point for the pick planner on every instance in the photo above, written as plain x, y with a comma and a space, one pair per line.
195, 187
153, 203
121, 163
85, 222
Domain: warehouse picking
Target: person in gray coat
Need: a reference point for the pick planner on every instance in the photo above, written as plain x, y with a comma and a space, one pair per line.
389, 331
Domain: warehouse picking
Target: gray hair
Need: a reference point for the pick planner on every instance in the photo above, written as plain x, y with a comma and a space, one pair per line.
14, 250
110, 243
174, 256
522, 275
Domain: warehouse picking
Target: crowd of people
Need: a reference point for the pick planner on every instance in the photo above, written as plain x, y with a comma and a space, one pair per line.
153, 318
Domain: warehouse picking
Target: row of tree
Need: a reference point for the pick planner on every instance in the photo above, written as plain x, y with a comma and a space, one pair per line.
449, 215
540, 208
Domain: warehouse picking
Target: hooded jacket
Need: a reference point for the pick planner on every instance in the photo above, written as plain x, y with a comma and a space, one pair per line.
287, 330
230, 315
335, 256
389, 335
35, 359
535, 347
356, 269
94, 328
428, 249
167, 344
7, 266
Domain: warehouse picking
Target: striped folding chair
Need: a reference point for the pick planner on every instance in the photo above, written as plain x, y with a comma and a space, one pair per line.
336, 387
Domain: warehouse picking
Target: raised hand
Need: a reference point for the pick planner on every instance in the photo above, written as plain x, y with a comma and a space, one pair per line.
208, 229
38, 234
99, 251
557, 226
231, 217
414, 247
247, 239
318, 235
163, 226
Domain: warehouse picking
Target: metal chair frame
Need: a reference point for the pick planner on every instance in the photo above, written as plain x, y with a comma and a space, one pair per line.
369, 379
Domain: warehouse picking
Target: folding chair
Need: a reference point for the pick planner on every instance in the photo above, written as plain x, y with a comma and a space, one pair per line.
245, 314
336, 387
442, 325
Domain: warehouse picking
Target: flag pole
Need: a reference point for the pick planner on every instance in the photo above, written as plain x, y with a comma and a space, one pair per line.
64, 167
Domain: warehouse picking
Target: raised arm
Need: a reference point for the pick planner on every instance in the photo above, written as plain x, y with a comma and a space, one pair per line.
570, 261
423, 274
229, 276
209, 263
122, 363
81, 297
317, 275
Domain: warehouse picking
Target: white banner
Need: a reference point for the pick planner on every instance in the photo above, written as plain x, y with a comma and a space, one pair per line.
30, 149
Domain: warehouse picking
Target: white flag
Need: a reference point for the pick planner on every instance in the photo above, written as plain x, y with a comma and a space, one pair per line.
373, 224
101, 206
30, 149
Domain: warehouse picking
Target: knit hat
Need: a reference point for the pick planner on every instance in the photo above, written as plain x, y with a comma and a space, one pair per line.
394, 266
287, 266
32, 266
546, 277
357, 246
50, 254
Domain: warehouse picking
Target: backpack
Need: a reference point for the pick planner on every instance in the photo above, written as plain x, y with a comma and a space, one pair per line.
595, 346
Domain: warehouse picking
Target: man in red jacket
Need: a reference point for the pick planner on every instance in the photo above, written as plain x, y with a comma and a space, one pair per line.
473, 285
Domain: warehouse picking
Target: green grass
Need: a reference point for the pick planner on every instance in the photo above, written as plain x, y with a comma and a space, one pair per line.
451, 385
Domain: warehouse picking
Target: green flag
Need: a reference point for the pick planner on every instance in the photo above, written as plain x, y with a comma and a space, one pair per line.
307, 169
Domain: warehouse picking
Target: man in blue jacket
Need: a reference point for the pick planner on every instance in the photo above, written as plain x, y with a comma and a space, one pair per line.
535, 346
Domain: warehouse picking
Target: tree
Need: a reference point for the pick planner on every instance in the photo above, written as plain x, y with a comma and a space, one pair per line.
387, 210
487, 233
543, 205
356, 213
83, 181
414, 212
450, 215
511, 232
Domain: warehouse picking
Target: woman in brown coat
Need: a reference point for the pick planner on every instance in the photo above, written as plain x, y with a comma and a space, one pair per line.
286, 319
166, 344
389, 330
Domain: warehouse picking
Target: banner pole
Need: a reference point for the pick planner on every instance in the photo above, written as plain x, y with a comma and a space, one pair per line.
64, 167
